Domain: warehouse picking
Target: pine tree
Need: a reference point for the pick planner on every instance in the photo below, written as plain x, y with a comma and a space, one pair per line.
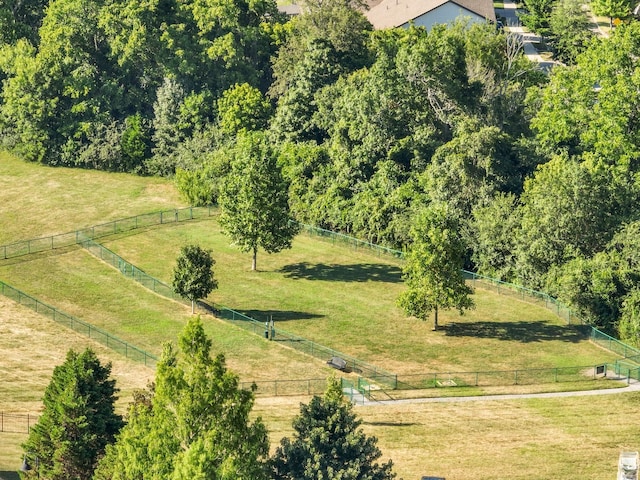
194, 424
328, 444
78, 420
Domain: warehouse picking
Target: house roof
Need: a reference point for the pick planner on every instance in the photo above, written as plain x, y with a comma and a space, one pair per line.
394, 13
291, 10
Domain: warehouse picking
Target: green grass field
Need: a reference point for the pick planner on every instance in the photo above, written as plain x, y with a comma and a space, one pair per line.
332, 294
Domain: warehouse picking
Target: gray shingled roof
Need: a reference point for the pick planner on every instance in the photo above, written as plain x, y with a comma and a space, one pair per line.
394, 13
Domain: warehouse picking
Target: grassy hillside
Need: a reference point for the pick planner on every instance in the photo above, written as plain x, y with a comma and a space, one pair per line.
345, 299
329, 293
38, 201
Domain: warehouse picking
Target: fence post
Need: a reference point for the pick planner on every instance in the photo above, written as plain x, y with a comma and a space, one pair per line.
516, 377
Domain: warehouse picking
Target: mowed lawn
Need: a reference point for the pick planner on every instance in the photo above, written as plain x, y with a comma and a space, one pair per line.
81, 285
565, 438
345, 298
568, 438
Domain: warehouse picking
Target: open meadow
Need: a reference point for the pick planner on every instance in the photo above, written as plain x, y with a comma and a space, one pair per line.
329, 293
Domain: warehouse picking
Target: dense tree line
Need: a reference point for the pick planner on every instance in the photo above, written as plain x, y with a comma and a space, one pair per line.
361, 129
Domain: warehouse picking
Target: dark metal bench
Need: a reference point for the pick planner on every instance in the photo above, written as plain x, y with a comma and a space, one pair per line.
338, 363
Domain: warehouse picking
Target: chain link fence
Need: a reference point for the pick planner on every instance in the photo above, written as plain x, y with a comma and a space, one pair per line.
16, 422
86, 237
28, 247
131, 271
535, 376
77, 325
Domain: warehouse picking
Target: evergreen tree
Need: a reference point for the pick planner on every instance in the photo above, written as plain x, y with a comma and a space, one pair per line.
328, 444
194, 424
78, 420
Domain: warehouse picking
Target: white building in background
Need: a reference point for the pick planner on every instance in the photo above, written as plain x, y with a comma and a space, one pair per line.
426, 13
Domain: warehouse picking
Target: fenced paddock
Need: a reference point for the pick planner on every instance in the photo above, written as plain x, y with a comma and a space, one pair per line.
379, 377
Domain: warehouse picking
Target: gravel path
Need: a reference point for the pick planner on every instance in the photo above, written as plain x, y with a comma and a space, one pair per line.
634, 386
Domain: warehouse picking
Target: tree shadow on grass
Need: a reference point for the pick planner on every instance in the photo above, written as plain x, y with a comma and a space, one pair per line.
362, 272
390, 424
525, 331
280, 315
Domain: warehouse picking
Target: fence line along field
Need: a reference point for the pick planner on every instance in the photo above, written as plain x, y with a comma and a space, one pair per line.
520, 439
331, 294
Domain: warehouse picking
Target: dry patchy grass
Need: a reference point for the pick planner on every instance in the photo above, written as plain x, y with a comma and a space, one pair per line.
38, 200
565, 438
31, 347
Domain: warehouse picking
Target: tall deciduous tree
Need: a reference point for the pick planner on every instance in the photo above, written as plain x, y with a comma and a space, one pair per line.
629, 327
195, 424
77, 422
21, 19
343, 30
433, 267
537, 16
242, 108
328, 444
570, 32
568, 210
193, 274
254, 201
493, 240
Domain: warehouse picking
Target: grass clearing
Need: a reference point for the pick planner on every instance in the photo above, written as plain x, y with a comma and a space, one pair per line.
566, 438
81, 285
334, 295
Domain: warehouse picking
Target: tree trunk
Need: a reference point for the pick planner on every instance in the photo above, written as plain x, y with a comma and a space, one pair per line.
435, 322
193, 307
254, 259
